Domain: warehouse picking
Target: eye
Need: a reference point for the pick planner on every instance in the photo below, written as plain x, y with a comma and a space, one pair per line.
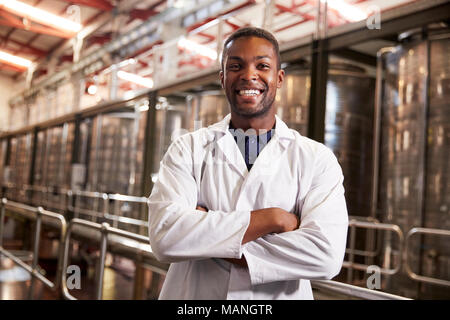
264, 66
234, 66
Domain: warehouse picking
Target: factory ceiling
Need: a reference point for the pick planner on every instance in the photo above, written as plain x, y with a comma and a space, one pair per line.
52, 47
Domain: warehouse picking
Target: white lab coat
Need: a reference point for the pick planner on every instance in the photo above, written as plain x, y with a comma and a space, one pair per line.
292, 172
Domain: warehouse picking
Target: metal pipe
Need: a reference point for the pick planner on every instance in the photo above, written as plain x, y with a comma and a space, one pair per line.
351, 254
376, 128
37, 236
2, 217
354, 291
377, 226
376, 139
64, 290
410, 273
101, 264
33, 273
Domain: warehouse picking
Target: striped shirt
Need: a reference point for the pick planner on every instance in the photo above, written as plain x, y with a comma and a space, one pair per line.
250, 144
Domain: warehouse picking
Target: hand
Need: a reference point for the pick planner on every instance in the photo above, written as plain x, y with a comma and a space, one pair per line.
280, 220
288, 221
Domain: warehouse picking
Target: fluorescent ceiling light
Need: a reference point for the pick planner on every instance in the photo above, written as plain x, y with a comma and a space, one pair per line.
145, 82
18, 61
197, 48
41, 16
348, 11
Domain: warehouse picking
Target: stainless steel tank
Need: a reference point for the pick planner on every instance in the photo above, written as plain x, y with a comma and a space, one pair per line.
110, 152
292, 99
209, 107
414, 162
116, 162
348, 123
52, 170
172, 114
348, 131
19, 167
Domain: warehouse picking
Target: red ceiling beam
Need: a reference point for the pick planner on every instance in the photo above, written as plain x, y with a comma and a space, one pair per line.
30, 49
293, 10
206, 35
232, 25
98, 4
142, 14
100, 39
11, 21
146, 48
11, 67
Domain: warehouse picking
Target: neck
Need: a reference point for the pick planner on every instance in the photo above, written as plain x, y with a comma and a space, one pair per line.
264, 123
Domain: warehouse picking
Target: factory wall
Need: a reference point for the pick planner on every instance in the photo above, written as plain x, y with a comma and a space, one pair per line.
6, 92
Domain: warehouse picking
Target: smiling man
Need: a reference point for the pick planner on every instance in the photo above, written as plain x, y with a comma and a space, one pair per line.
248, 208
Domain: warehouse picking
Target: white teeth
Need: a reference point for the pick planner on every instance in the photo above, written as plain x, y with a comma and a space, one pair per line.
249, 92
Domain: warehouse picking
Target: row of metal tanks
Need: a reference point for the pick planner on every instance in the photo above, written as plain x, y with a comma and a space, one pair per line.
415, 151
110, 152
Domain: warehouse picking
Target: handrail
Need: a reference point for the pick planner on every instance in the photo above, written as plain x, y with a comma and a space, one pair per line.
410, 273
122, 197
37, 214
354, 291
105, 229
108, 211
364, 253
353, 224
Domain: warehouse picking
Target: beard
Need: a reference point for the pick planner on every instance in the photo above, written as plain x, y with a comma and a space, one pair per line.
261, 110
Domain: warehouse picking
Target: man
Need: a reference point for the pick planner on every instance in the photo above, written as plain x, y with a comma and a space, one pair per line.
239, 229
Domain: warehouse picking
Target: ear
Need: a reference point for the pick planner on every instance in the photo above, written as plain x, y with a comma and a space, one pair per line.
280, 78
221, 79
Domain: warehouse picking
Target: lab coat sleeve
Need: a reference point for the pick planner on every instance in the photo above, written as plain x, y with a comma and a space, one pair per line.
316, 249
177, 230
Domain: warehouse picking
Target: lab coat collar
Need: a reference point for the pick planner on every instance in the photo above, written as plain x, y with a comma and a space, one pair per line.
281, 129
225, 142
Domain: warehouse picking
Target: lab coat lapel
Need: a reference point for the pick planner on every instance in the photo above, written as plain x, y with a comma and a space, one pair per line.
227, 150
230, 154
268, 161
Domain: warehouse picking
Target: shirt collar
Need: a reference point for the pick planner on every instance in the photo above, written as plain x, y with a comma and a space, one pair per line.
281, 129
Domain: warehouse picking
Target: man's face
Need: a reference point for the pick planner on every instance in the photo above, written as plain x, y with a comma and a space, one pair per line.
250, 76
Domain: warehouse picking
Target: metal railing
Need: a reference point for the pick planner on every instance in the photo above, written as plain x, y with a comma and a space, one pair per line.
104, 229
353, 291
51, 198
95, 201
139, 249
411, 274
364, 253
39, 215
351, 265
110, 208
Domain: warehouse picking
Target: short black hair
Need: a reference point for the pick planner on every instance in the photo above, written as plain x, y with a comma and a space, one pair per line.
253, 32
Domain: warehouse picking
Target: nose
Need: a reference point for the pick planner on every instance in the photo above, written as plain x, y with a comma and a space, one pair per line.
249, 73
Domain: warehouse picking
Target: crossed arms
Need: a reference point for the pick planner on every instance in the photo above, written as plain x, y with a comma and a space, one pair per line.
262, 222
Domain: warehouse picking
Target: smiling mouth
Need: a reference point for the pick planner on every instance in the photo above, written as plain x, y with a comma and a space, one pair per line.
249, 92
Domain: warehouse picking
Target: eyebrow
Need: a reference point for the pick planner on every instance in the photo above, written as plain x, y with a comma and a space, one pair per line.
240, 59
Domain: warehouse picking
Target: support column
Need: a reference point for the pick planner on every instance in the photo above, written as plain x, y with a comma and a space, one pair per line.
318, 90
